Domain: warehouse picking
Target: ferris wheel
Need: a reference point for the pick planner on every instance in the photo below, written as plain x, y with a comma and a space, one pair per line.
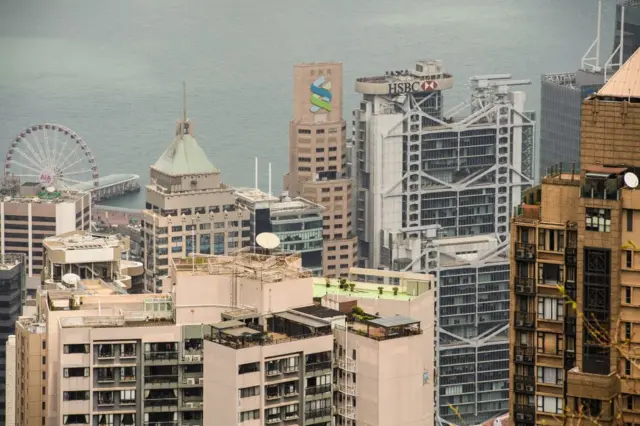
52, 155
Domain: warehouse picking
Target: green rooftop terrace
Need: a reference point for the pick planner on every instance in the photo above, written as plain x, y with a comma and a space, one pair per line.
361, 290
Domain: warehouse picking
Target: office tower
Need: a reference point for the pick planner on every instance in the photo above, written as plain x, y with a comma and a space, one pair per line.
188, 208
574, 264
297, 222
434, 194
318, 159
631, 27
32, 213
14, 293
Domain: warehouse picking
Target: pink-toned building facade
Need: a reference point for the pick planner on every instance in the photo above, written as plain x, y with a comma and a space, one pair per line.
318, 159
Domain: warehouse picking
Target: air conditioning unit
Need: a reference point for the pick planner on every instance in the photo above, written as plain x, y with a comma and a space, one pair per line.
191, 381
520, 288
200, 404
201, 380
188, 357
197, 357
529, 388
519, 416
519, 386
191, 405
519, 358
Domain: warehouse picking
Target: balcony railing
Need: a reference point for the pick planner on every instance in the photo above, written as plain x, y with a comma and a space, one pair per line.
524, 413
318, 366
347, 388
317, 390
519, 378
525, 252
525, 319
317, 413
571, 256
524, 354
525, 286
347, 364
349, 412
161, 356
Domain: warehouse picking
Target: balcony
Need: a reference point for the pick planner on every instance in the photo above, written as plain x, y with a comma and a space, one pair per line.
317, 390
525, 252
524, 413
525, 286
570, 325
317, 367
571, 256
346, 388
164, 357
349, 412
570, 289
525, 320
347, 364
524, 354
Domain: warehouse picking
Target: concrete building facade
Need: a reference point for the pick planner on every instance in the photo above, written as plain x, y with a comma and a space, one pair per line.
188, 208
33, 214
574, 300
318, 169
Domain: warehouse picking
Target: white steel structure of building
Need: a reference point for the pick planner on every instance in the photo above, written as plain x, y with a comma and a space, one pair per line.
428, 179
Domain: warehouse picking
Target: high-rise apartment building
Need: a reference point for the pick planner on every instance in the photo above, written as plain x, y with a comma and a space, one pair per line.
34, 213
574, 269
631, 27
188, 208
318, 159
14, 293
297, 222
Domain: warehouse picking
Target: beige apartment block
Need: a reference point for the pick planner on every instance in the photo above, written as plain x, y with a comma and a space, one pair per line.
35, 213
30, 373
576, 237
275, 370
79, 255
10, 381
374, 387
318, 159
188, 208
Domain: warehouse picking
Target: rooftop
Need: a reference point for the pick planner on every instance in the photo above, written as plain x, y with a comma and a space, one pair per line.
184, 156
320, 289
319, 311
82, 240
281, 327
625, 83
252, 263
11, 260
281, 204
45, 197
386, 328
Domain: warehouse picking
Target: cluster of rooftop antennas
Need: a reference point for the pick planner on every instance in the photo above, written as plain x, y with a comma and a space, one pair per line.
592, 63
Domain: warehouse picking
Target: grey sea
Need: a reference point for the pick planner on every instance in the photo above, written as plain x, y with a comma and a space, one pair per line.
113, 70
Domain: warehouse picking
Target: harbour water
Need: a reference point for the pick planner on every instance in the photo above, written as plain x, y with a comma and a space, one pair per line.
112, 71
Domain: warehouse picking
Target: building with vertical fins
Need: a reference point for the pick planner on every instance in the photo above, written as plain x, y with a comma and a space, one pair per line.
627, 29
575, 266
188, 208
434, 194
318, 159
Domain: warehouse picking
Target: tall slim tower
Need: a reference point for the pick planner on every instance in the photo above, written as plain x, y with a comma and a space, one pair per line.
575, 263
188, 208
318, 159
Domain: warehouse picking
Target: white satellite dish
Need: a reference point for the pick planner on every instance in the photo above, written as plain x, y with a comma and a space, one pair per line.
71, 280
631, 180
267, 240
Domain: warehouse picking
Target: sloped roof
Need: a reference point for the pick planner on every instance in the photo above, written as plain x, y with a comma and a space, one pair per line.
625, 83
184, 157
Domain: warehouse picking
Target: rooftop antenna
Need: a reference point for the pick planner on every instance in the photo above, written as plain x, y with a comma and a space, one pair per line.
587, 63
256, 174
269, 180
184, 101
618, 50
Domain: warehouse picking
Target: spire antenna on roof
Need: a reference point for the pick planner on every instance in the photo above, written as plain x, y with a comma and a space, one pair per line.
184, 100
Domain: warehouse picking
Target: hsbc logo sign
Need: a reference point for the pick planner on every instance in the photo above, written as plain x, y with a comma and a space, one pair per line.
416, 86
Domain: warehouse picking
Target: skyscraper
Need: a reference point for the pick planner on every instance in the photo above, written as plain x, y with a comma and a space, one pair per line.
188, 208
318, 159
434, 194
631, 39
574, 265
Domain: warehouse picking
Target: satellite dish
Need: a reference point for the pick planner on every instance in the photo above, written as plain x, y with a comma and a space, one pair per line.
631, 180
267, 240
71, 280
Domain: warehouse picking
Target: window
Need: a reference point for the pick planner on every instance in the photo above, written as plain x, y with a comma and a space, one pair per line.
127, 350
248, 392
629, 220
550, 273
105, 419
549, 404
627, 367
251, 367
76, 372
75, 419
76, 349
75, 396
128, 396
598, 220
550, 308
248, 415
549, 343
550, 375
627, 294
628, 258
627, 331
127, 374
629, 404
